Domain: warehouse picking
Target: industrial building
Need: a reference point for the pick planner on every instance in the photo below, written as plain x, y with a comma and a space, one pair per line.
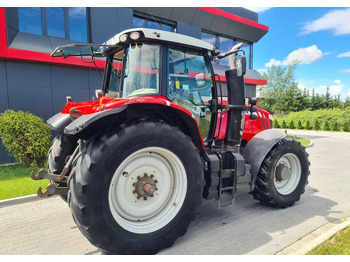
31, 80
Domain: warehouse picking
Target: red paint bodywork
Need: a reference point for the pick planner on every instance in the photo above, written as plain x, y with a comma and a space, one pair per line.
251, 127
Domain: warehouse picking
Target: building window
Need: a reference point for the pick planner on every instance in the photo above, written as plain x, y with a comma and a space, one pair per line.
149, 21
70, 23
29, 19
139, 22
55, 21
224, 44
78, 24
210, 38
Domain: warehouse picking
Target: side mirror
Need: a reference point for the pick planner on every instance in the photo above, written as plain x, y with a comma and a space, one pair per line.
241, 64
253, 101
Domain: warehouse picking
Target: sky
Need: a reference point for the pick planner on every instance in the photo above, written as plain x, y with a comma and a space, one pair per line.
319, 37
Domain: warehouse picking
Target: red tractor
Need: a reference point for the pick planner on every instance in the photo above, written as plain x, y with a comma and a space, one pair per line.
135, 162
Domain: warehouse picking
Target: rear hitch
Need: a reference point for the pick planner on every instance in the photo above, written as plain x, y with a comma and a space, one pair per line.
51, 190
43, 174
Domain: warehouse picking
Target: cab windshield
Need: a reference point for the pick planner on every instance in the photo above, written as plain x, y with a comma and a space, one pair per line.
140, 72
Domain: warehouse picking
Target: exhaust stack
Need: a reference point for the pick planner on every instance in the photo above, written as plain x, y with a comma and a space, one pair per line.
236, 107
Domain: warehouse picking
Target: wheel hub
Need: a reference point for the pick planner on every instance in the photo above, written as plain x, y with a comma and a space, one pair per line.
145, 186
282, 172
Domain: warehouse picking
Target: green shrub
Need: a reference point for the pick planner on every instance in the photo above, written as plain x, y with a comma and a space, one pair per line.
335, 126
300, 126
275, 123
25, 136
308, 125
284, 124
317, 125
291, 124
326, 126
346, 127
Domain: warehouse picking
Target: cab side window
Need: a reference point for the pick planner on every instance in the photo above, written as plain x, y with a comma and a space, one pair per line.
189, 84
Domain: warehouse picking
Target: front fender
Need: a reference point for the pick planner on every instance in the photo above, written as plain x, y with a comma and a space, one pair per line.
258, 147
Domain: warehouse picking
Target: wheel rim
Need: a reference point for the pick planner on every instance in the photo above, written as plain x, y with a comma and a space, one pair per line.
287, 173
162, 174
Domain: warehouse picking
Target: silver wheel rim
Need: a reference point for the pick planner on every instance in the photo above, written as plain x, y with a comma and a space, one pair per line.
139, 215
288, 183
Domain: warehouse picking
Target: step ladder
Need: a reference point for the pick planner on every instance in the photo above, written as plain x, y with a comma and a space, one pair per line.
227, 187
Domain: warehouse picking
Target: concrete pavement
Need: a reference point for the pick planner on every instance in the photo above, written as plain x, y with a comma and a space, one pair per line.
249, 227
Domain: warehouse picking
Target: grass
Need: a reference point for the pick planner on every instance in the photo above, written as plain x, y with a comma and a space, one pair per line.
337, 245
15, 181
303, 141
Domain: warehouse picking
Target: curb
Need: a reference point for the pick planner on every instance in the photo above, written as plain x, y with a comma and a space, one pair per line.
19, 200
315, 238
311, 144
311, 141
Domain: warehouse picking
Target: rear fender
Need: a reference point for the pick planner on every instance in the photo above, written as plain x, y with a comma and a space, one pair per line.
258, 147
88, 125
59, 121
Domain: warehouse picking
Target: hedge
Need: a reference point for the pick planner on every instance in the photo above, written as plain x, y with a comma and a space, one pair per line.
324, 119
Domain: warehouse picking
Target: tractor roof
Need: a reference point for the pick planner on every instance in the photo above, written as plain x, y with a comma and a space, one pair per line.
135, 34
155, 35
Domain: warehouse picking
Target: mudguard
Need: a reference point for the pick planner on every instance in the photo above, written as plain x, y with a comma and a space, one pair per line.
59, 121
95, 119
258, 147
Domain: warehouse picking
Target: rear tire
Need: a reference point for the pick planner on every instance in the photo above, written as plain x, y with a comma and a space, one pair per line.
106, 199
283, 175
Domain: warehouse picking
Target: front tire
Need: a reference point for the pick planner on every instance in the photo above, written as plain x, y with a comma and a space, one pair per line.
283, 175
135, 190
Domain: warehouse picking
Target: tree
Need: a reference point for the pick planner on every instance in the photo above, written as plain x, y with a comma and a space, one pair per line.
293, 99
279, 79
347, 102
317, 125
300, 125
275, 123
307, 125
291, 125
335, 126
284, 124
326, 126
327, 99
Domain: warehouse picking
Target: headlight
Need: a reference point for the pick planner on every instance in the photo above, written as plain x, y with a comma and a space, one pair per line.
135, 35
123, 38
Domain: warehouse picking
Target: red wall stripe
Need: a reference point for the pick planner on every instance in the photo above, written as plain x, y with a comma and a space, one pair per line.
234, 17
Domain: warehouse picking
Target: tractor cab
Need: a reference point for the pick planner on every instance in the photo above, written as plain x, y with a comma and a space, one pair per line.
158, 64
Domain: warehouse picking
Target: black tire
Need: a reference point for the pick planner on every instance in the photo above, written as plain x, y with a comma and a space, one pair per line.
91, 184
270, 185
61, 147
